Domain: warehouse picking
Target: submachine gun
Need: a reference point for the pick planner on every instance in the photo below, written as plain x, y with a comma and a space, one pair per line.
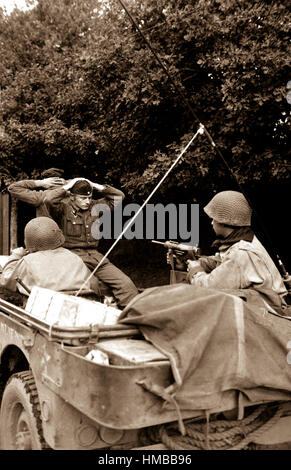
178, 254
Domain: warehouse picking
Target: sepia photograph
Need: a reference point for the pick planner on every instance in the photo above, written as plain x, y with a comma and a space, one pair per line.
145, 264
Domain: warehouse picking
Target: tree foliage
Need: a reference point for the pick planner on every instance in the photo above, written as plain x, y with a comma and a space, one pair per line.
80, 89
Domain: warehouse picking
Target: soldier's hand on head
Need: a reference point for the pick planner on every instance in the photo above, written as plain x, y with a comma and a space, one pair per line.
97, 186
71, 183
51, 182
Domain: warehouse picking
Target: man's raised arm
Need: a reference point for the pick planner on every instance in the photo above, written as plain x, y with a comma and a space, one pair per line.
33, 191
109, 195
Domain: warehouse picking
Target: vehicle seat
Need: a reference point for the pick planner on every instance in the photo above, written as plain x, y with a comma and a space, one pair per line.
16, 298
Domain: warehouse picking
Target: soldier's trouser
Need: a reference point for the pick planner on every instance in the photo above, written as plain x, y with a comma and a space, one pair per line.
119, 283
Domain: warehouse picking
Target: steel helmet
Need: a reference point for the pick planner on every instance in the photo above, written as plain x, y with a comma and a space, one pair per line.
42, 233
230, 208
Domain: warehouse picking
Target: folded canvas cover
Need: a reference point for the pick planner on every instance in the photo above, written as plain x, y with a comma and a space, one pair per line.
216, 342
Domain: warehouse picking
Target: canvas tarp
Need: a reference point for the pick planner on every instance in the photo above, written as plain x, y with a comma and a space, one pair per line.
216, 343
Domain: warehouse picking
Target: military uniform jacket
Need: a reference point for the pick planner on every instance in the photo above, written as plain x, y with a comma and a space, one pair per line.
81, 228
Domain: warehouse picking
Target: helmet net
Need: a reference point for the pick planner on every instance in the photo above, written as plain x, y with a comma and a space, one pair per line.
42, 233
230, 208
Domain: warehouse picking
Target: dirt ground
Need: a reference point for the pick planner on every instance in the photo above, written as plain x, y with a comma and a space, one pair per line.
148, 276
142, 261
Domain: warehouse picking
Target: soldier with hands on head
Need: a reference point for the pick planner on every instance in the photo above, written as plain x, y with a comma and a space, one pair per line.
34, 191
76, 212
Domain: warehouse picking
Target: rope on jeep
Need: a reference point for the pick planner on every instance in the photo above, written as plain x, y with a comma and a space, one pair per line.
219, 434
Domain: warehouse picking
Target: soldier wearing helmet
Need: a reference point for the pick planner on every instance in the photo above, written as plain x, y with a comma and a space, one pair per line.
44, 262
241, 262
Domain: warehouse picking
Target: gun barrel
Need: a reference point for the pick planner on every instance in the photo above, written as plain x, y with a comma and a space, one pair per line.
176, 245
186, 247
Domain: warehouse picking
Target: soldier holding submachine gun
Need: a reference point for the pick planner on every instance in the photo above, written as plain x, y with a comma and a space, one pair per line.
241, 263
179, 253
